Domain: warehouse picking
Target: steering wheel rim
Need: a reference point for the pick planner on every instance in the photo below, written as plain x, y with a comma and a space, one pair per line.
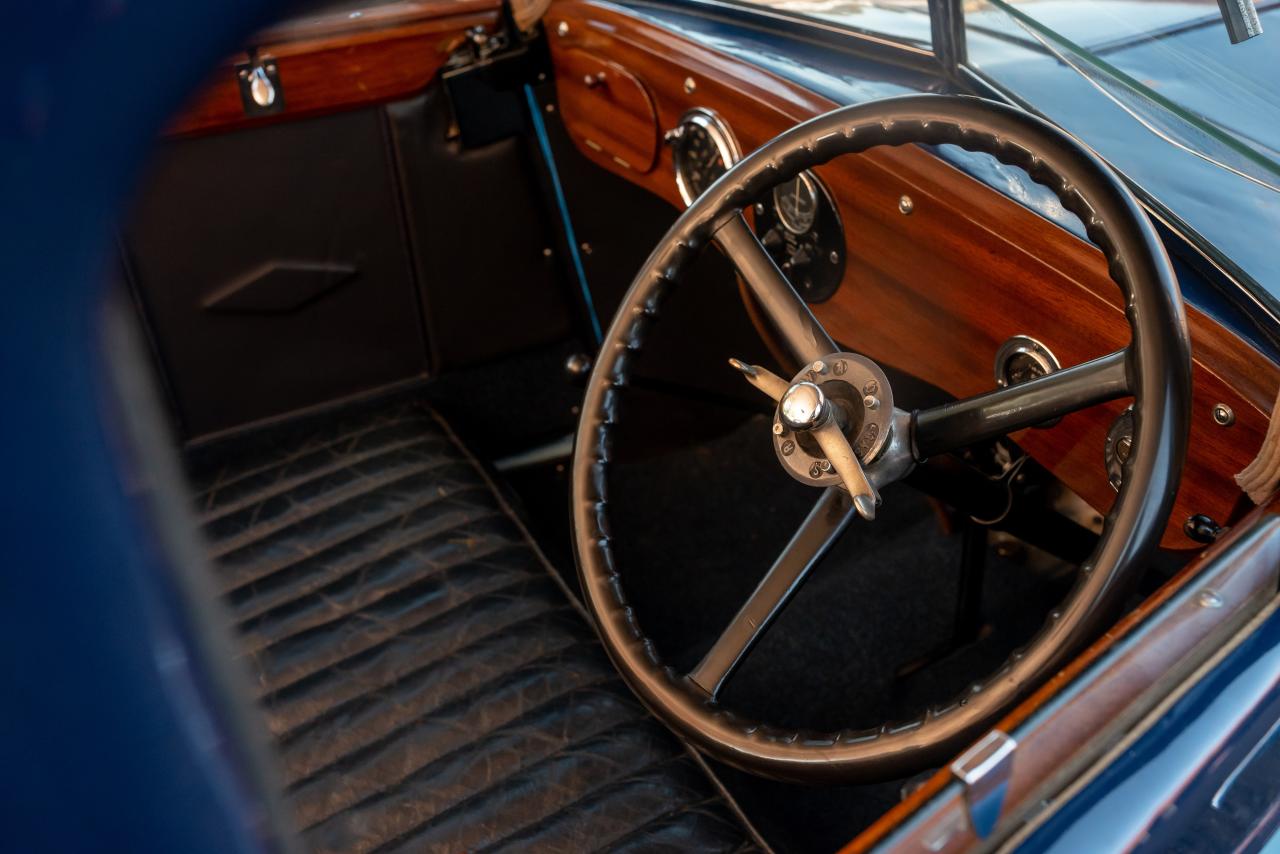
1155, 368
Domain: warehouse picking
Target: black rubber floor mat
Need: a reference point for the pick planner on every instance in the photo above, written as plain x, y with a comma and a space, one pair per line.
429, 684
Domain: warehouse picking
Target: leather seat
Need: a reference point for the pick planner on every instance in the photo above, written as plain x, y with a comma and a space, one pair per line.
428, 681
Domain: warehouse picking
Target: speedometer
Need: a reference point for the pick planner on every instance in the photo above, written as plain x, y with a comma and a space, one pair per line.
702, 149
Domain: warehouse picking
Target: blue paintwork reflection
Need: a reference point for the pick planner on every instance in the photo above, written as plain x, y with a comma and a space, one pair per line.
112, 739
1158, 794
1012, 182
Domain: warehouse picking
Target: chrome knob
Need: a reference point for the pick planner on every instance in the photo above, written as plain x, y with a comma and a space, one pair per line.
803, 407
260, 88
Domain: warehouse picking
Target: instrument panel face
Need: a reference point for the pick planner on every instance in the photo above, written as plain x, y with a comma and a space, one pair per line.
797, 222
796, 203
703, 148
800, 228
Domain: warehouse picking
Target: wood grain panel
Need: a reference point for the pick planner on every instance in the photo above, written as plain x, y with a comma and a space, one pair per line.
936, 292
607, 110
333, 62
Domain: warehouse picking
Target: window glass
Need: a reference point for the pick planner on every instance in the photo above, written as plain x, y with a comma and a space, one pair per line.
900, 20
1157, 88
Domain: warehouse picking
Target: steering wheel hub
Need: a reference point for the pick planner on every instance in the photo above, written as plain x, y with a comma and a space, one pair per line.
856, 392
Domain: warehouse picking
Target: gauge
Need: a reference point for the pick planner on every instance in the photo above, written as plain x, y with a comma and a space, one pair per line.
800, 228
702, 149
1021, 359
797, 203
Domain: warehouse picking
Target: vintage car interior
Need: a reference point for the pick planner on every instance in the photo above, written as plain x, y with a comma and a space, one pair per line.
647, 425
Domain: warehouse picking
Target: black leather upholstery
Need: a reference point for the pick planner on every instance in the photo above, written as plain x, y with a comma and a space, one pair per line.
428, 682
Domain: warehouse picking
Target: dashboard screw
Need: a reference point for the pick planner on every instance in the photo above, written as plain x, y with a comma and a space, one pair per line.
690, 85
778, 428
905, 205
562, 29
1223, 415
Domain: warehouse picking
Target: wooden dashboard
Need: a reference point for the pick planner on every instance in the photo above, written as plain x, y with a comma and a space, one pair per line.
934, 292
339, 59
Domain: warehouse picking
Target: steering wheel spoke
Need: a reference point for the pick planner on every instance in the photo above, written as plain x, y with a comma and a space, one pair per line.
820, 529
803, 335
956, 425
762, 378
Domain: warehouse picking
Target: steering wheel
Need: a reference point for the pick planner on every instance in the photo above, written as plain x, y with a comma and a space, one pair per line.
839, 410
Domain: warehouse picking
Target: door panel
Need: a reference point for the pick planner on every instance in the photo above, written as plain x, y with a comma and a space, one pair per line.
273, 268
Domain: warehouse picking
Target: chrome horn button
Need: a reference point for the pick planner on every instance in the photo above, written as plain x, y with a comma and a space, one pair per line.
803, 407
856, 392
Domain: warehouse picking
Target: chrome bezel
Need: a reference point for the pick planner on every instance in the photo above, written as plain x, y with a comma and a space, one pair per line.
1024, 345
721, 137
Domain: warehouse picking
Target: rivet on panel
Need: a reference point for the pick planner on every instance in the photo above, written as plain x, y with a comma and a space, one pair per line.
690, 85
562, 29
1223, 415
906, 206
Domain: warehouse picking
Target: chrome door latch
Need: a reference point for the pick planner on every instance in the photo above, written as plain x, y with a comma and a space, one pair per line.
260, 90
984, 771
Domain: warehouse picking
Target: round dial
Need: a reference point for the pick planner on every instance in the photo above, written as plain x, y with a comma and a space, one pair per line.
797, 203
702, 149
800, 228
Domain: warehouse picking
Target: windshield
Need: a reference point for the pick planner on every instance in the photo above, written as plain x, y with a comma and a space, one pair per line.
1157, 88
900, 20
